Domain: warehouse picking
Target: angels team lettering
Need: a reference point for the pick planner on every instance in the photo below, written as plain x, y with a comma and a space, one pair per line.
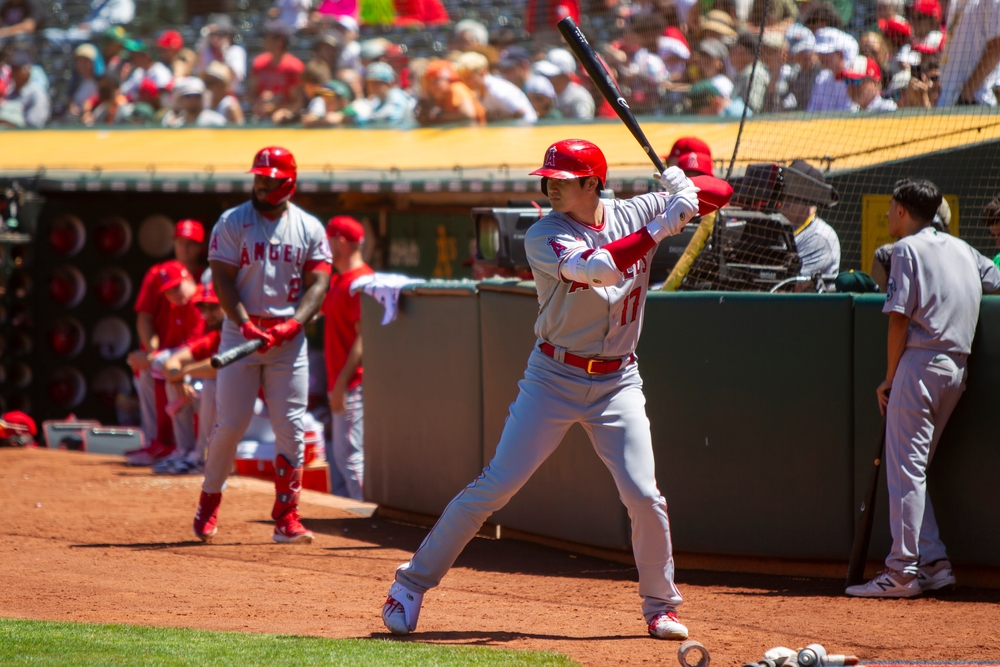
280, 252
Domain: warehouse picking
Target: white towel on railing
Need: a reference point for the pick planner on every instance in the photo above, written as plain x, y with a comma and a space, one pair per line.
384, 288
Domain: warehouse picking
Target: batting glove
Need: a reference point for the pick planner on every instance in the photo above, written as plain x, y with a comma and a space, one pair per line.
285, 331
251, 331
681, 209
674, 180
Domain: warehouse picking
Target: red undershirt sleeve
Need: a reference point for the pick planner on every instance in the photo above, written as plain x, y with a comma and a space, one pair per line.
630, 249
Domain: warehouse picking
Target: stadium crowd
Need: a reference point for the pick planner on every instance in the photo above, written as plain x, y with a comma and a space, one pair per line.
334, 62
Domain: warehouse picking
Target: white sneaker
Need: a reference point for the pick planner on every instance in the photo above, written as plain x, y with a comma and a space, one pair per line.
666, 626
936, 575
888, 584
401, 609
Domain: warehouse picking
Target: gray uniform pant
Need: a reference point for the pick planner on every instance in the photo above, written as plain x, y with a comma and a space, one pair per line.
145, 390
924, 393
206, 418
284, 374
183, 423
552, 397
347, 444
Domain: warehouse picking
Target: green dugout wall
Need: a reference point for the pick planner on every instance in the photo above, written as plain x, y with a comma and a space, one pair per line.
762, 411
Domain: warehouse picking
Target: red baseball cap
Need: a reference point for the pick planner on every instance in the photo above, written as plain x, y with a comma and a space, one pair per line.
862, 68
700, 162
148, 87
347, 228
191, 230
170, 39
928, 8
21, 419
686, 145
205, 294
172, 273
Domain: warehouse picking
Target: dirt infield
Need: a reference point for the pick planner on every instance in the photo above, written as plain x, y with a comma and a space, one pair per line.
87, 539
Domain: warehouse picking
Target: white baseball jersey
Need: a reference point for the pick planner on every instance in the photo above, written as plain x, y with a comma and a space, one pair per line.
591, 321
938, 281
272, 256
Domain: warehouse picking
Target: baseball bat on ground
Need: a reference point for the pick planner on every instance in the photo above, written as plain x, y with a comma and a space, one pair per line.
609, 89
863, 532
223, 359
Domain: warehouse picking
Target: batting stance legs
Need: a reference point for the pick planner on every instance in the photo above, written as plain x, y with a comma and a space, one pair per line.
552, 397
284, 374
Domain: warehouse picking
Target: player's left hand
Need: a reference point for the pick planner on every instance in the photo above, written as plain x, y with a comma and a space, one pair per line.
883, 395
674, 180
285, 331
683, 208
338, 399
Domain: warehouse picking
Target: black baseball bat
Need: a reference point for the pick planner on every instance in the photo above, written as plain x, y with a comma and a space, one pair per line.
609, 89
223, 359
863, 533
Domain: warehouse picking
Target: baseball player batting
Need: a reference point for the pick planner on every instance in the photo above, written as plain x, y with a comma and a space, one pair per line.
590, 259
271, 267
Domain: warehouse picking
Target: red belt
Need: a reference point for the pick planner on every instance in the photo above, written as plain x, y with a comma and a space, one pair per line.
592, 366
266, 322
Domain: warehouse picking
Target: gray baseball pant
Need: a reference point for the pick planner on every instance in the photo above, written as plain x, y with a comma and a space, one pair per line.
925, 390
347, 442
552, 397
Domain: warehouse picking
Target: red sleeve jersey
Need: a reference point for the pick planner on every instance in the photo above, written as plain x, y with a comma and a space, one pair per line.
205, 346
342, 311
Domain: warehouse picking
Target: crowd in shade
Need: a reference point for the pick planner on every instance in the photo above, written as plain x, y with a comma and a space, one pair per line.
326, 63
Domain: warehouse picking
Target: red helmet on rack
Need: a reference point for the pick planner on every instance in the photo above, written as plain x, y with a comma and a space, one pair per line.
276, 162
573, 158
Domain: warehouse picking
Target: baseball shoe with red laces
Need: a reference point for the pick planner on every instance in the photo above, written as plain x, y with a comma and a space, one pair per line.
149, 454
401, 609
666, 626
289, 529
206, 516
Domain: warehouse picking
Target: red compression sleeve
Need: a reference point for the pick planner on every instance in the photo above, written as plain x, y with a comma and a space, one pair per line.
630, 249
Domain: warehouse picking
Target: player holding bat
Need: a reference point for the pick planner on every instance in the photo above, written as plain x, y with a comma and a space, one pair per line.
590, 258
271, 267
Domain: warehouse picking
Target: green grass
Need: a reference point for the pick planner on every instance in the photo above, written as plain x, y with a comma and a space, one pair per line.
45, 643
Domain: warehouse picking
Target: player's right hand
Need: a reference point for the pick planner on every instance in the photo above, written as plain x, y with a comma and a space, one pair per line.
683, 208
251, 331
674, 180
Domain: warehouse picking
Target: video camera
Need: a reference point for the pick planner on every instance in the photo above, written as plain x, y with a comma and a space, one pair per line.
752, 246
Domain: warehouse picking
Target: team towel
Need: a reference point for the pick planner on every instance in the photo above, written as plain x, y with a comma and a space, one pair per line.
384, 288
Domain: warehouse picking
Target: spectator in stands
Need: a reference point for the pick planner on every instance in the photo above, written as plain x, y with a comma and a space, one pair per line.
34, 99
572, 100
11, 114
445, 99
354, 81
373, 50
887, 9
327, 51
469, 35
112, 51
925, 20
293, 13
971, 56
541, 16
217, 46
742, 58
218, 80
816, 242
781, 14
896, 32
924, 86
718, 25
836, 49
641, 69
419, 14
105, 108
707, 100
821, 15
84, 85
102, 15
864, 85
542, 96
873, 45
804, 68
149, 108
515, 66
501, 99
20, 17
774, 55
346, 30
386, 102
712, 56
142, 66
991, 220
328, 107
675, 51
275, 75
315, 75
190, 110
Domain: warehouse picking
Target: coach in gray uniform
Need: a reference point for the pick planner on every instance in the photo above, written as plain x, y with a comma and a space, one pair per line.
816, 241
932, 297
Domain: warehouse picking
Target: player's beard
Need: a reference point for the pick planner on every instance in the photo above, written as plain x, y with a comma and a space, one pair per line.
264, 207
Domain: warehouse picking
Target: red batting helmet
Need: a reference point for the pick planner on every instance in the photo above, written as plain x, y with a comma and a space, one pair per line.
573, 158
276, 162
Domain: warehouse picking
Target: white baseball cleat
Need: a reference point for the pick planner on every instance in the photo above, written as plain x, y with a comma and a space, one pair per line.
936, 575
401, 609
666, 626
888, 584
